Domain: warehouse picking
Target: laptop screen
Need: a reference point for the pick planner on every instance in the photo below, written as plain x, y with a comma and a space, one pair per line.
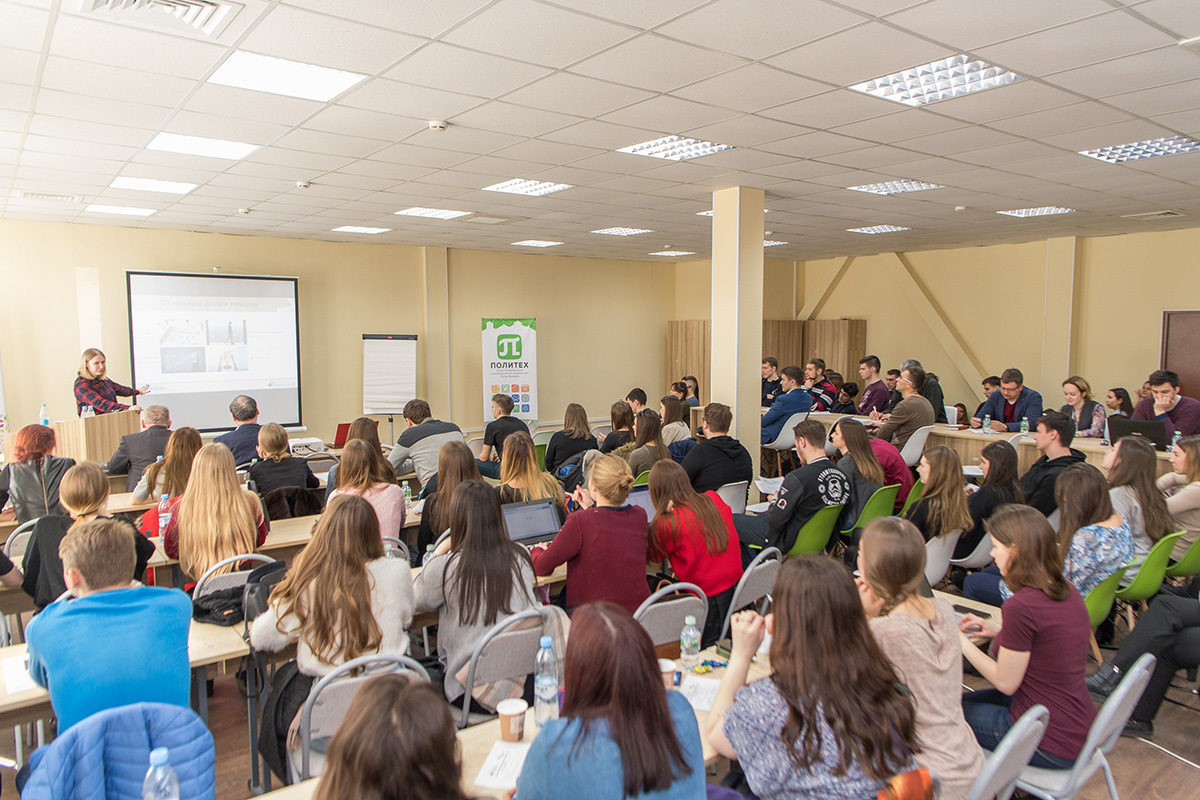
640, 496
533, 521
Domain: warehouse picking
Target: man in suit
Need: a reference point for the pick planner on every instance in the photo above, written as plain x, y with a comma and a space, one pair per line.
1014, 402
793, 400
139, 450
243, 439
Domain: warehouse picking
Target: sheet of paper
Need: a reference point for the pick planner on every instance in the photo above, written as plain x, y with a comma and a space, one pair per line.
768, 485
757, 508
700, 692
16, 675
503, 765
418, 507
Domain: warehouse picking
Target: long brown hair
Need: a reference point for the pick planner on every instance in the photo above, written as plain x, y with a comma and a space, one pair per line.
489, 563
826, 664
672, 409
367, 430
176, 464
1136, 468
358, 470
397, 739
84, 488
1036, 561
858, 445
649, 431
215, 517
611, 674
328, 588
456, 463
519, 465
893, 560
575, 422
1082, 497
948, 510
621, 416
669, 483
1002, 472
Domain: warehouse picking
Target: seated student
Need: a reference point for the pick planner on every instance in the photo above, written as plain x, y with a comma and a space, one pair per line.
85, 495
825, 665
960, 414
137, 451
169, 476
894, 396
860, 466
398, 732
1088, 414
1131, 465
895, 471
476, 578
31, 480
770, 380
417, 447
573, 439
1166, 405
1041, 653
604, 544
794, 400
456, 464
502, 424
990, 384
1118, 403
693, 394
816, 384
1014, 403
1053, 435
521, 479
674, 429
242, 440
875, 390
110, 643
845, 399
942, 507
620, 734
341, 599
636, 399
679, 390
718, 459
621, 417
367, 430
998, 461
278, 469
919, 636
360, 474
647, 448
804, 492
696, 532
1182, 488
931, 390
215, 518
911, 413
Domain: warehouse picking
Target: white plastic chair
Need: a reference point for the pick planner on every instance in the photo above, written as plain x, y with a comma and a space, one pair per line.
508, 650
915, 445
1015, 439
734, 495
601, 429
476, 446
756, 583
395, 548
542, 437
938, 552
786, 439
662, 615
998, 778
18, 541
212, 582
951, 415
979, 558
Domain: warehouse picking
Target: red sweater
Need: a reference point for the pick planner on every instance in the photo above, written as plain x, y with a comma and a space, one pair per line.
605, 553
894, 469
689, 556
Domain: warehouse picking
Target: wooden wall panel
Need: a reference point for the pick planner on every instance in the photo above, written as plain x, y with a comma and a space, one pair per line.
784, 339
840, 342
688, 353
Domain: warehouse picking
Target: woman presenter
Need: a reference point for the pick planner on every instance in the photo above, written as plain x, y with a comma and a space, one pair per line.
95, 390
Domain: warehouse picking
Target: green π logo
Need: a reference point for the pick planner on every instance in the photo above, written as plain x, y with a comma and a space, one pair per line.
508, 346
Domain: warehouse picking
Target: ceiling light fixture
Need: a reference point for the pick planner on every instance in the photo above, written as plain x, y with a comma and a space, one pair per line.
709, 213
149, 185
125, 211
938, 80
527, 187
873, 229
895, 187
536, 243
200, 146
1044, 211
622, 231
360, 229
675, 148
433, 213
244, 70
673, 253
1150, 148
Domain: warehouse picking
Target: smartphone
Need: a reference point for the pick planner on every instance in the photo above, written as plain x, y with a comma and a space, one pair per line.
724, 647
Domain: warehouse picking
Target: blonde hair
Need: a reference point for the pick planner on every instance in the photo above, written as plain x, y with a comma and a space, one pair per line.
214, 517
1191, 451
87, 356
84, 489
612, 477
519, 465
948, 510
102, 550
1079, 383
273, 440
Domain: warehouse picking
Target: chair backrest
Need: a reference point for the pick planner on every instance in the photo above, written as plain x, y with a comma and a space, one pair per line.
476, 445
1016, 438
815, 534
601, 429
979, 558
1152, 572
540, 448
915, 445
786, 440
507, 650
1100, 599
664, 620
734, 495
212, 582
643, 479
395, 548
1187, 566
938, 552
542, 437
321, 462
880, 504
18, 541
756, 583
330, 698
914, 494
998, 778
952, 415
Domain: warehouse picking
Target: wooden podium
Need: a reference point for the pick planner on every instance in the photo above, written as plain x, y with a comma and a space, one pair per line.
94, 438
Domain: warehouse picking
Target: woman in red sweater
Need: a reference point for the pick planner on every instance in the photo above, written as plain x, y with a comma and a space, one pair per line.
603, 544
696, 532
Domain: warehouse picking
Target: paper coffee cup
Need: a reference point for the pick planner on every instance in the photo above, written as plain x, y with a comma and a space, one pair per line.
512, 719
667, 667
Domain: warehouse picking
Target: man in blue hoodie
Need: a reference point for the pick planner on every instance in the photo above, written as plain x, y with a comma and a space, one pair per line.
794, 400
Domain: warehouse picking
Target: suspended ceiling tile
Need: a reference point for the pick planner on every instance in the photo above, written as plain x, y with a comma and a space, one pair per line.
1098, 38
24, 27
417, 17
970, 24
459, 69
859, 54
575, 94
656, 64
406, 100
751, 88
327, 41
832, 109
1144, 70
681, 114
228, 101
120, 45
515, 120
1071, 117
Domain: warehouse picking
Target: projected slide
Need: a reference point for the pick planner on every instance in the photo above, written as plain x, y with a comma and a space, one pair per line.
201, 340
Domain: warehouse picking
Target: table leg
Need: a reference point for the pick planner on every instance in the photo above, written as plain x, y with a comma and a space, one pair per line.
200, 692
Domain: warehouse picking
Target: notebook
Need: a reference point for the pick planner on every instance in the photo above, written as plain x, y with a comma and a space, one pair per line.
640, 496
1152, 431
343, 431
532, 521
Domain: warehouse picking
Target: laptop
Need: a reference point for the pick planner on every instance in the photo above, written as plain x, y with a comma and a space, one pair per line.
532, 521
1153, 432
640, 496
343, 431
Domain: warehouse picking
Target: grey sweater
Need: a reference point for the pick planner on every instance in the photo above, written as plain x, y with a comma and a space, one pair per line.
417, 448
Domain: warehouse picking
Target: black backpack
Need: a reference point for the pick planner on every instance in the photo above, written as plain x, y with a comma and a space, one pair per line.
228, 607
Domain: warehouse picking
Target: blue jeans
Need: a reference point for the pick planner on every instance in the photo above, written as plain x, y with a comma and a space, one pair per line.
984, 587
489, 469
986, 711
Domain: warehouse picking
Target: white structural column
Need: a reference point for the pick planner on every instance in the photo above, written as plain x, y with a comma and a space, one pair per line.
737, 310
1058, 335
436, 318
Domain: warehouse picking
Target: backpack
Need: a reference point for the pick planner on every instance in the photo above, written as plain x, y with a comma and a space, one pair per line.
573, 472
228, 607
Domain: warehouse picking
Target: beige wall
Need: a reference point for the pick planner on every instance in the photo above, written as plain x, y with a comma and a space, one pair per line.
693, 290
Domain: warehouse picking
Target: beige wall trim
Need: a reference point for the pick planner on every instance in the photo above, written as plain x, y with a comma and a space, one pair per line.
812, 307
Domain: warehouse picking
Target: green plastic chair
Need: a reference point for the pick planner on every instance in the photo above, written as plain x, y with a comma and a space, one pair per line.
881, 504
642, 479
815, 535
1187, 566
1099, 602
541, 455
914, 495
1154, 569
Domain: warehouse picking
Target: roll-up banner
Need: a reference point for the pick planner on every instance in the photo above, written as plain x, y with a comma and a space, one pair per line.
510, 365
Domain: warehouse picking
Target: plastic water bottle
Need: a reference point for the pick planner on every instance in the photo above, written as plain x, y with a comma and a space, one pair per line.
1175, 437
545, 683
164, 513
689, 643
408, 498
43, 416
1024, 426
986, 425
428, 554
161, 781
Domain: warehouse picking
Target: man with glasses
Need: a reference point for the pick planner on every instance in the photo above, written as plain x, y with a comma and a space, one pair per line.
911, 413
1014, 402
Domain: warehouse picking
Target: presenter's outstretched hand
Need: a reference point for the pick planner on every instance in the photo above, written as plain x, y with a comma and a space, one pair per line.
144, 389
135, 408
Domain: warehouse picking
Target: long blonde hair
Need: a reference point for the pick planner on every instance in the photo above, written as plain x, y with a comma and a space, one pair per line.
215, 520
87, 356
948, 510
519, 464
84, 489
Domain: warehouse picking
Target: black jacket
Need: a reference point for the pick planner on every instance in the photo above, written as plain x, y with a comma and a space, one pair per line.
804, 492
138, 451
717, 461
43, 567
1038, 482
562, 447
773, 388
33, 489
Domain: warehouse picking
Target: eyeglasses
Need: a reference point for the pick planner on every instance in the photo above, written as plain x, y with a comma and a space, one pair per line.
906, 380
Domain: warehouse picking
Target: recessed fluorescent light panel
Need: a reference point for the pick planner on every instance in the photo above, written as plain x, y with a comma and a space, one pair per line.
895, 187
709, 213
1151, 148
124, 211
280, 76
149, 185
527, 187
939, 80
433, 213
360, 229
873, 229
536, 243
673, 253
1044, 211
769, 243
622, 231
199, 146
675, 148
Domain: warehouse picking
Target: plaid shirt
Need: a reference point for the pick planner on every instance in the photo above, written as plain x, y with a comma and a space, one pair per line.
101, 394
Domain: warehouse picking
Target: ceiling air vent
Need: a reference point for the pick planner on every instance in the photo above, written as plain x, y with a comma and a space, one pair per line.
486, 220
205, 17
44, 197
1153, 215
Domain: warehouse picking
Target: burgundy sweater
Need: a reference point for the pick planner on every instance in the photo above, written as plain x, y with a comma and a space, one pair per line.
1184, 417
605, 553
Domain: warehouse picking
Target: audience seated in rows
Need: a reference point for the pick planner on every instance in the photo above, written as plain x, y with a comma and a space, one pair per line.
521, 479
674, 428
636, 399
573, 439
31, 481
1052, 435
794, 399
990, 384
942, 507
647, 447
416, 449
1182, 488
1131, 466
859, 464
503, 423
824, 393
363, 475
1118, 403
243, 439
693, 392
875, 391
456, 464
621, 419
367, 430
847, 392
719, 458
911, 413
1087, 414
1013, 403
1166, 405
137, 451
770, 380
276, 468
999, 486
